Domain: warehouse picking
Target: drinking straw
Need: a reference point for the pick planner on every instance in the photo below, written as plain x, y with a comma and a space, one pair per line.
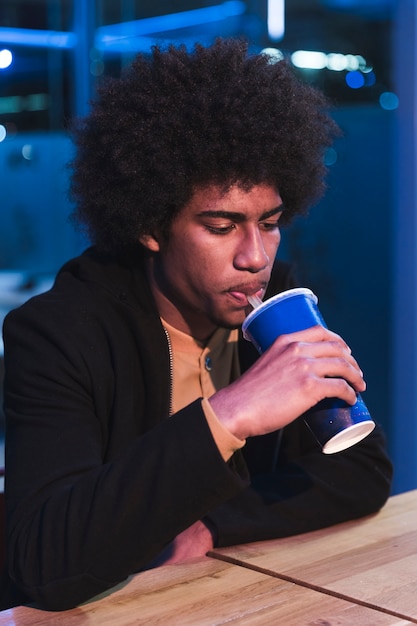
254, 301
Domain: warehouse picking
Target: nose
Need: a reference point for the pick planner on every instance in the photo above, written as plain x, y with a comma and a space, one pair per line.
251, 254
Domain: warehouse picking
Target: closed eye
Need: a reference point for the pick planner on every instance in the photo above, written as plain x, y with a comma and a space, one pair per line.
221, 229
270, 225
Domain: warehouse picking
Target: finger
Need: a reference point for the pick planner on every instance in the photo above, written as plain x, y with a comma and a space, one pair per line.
340, 368
316, 334
336, 388
331, 349
330, 376
297, 350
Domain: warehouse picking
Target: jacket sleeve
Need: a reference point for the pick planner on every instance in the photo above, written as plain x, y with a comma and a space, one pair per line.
298, 489
80, 520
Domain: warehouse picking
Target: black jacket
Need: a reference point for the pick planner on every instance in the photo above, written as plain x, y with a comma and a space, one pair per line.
98, 477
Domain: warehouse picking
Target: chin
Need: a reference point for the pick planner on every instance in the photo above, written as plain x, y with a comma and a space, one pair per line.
231, 322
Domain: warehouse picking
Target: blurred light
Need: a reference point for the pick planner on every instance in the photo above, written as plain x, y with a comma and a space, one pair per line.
309, 59
274, 55
352, 62
368, 7
276, 19
3, 133
370, 79
31, 102
168, 22
330, 157
363, 66
6, 59
10, 104
336, 62
119, 36
388, 101
37, 38
27, 152
36, 102
355, 80
96, 67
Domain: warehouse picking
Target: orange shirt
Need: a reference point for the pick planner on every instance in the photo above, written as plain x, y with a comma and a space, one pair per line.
201, 370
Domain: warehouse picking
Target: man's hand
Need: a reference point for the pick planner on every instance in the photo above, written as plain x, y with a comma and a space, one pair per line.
293, 375
192, 542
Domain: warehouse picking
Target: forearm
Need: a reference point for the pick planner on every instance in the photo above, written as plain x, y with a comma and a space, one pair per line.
80, 534
307, 492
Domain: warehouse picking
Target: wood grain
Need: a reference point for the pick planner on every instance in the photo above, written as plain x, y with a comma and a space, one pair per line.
371, 560
202, 593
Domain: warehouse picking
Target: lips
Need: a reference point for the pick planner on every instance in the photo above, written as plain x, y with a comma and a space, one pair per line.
241, 293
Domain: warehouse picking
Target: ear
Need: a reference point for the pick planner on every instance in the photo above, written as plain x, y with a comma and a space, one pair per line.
150, 242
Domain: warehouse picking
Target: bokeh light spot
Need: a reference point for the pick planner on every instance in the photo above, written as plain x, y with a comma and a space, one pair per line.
355, 80
6, 59
388, 101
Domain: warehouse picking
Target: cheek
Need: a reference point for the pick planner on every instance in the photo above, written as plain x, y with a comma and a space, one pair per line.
272, 246
192, 266
204, 271
208, 258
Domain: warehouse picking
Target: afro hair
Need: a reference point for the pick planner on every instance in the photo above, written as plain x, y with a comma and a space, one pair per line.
177, 120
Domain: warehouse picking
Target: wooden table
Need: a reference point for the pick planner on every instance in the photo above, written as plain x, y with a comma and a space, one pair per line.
206, 592
362, 572
371, 561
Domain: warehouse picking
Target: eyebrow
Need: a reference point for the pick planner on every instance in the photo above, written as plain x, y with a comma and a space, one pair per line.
239, 217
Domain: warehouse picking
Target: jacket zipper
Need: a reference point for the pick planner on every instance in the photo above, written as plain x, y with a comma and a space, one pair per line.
171, 371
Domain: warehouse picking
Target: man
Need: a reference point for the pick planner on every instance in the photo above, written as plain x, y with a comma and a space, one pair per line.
141, 428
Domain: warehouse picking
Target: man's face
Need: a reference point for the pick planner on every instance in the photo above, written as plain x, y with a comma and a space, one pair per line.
220, 249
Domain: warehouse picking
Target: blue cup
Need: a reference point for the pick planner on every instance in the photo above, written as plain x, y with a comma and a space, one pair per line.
335, 424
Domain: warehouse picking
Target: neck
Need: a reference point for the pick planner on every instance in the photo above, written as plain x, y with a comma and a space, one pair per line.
187, 322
